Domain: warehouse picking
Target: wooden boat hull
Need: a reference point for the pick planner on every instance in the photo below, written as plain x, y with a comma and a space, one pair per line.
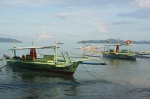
68, 68
129, 56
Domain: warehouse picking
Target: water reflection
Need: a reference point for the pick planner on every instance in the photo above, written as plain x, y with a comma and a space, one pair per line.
119, 62
119, 71
33, 84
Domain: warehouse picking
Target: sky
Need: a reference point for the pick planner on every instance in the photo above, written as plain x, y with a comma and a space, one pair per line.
75, 20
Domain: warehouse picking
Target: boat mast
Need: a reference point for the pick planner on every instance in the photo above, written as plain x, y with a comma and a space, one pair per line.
32, 43
55, 49
128, 48
14, 51
118, 41
104, 48
107, 46
33, 49
117, 47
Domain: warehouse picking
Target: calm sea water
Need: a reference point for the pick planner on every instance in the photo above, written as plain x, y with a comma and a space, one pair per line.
119, 79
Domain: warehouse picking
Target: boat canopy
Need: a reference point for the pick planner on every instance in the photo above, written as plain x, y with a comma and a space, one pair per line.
43, 47
119, 44
114, 44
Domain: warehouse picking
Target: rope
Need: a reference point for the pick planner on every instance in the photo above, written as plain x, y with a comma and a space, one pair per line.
39, 53
2, 52
90, 72
3, 64
2, 67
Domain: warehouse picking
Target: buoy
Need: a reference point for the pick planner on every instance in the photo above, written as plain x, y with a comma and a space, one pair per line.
128, 42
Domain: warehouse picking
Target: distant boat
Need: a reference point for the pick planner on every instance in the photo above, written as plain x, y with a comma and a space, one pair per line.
144, 54
91, 50
53, 63
60, 42
116, 53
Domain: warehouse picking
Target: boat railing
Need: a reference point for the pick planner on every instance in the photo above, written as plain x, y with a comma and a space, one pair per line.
47, 58
28, 57
111, 50
127, 51
16, 57
124, 51
66, 57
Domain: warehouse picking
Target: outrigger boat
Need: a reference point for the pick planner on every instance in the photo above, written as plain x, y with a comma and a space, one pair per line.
89, 53
123, 54
144, 54
51, 63
60, 42
91, 50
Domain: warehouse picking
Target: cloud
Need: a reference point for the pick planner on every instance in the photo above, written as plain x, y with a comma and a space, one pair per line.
41, 24
103, 27
66, 15
82, 35
65, 3
85, 14
123, 23
29, 3
43, 36
142, 3
141, 14
111, 5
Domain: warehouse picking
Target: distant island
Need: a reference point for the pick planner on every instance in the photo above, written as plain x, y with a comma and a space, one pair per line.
114, 41
9, 40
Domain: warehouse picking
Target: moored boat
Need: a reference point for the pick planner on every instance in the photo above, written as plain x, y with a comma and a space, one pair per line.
60, 42
91, 50
50, 62
116, 53
144, 54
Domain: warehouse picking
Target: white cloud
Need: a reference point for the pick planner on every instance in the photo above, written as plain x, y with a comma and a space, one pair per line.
28, 3
41, 24
103, 27
65, 15
141, 14
43, 36
111, 5
142, 3
85, 14
123, 23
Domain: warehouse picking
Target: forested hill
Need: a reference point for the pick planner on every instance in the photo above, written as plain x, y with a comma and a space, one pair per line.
113, 41
9, 40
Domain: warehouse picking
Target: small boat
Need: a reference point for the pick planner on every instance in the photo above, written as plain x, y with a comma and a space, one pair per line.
144, 54
91, 50
123, 54
60, 42
51, 62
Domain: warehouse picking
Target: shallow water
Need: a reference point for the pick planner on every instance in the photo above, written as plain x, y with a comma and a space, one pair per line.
119, 79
